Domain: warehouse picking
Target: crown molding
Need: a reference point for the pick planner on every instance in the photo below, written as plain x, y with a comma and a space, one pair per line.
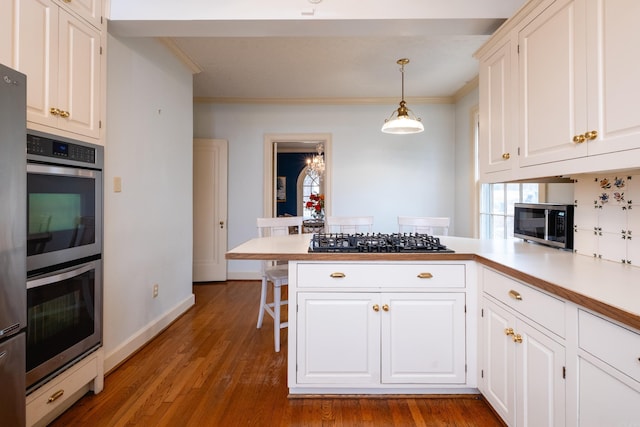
325, 101
180, 54
468, 87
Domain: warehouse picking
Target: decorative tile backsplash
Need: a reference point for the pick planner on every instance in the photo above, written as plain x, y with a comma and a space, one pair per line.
607, 217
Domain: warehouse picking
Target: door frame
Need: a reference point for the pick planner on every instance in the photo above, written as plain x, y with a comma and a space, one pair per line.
270, 164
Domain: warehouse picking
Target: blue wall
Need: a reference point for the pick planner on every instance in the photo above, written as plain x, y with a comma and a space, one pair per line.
290, 165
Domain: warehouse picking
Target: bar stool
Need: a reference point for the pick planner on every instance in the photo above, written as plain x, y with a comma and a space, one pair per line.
274, 272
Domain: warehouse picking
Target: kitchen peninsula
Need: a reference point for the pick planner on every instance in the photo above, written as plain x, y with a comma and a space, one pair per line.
576, 317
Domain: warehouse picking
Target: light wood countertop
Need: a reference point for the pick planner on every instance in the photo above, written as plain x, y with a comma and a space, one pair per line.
606, 287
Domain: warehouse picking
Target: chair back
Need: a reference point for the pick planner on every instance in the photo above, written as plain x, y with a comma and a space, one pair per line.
349, 224
424, 225
280, 226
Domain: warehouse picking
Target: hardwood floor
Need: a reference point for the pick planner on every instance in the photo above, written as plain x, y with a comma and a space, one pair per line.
212, 367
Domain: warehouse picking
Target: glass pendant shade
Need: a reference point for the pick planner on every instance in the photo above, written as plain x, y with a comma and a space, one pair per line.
402, 120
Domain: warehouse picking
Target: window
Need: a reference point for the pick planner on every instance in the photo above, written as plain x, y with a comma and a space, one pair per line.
310, 185
496, 207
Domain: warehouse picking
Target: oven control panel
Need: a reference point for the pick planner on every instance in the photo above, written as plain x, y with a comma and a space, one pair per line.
48, 147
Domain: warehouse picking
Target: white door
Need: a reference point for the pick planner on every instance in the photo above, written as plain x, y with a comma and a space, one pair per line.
209, 209
499, 364
423, 338
540, 365
338, 338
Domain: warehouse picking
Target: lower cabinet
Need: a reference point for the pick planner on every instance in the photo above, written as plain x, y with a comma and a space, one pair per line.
608, 373
386, 327
523, 372
365, 339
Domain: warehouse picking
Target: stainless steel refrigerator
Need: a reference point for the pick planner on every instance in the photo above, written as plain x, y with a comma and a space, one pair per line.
13, 235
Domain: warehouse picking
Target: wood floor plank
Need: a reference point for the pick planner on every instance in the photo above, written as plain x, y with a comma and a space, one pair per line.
213, 367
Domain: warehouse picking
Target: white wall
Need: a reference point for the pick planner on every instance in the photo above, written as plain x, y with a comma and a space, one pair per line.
148, 226
373, 173
465, 185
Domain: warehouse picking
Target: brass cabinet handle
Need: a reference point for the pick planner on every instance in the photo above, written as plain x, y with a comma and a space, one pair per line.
591, 135
579, 139
55, 396
515, 295
508, 331
64, 114
54, 111
506, 156
376, 307
337, 275
517, 338
385, 307
425, 276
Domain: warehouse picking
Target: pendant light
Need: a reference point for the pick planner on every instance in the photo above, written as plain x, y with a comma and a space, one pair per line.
402, 121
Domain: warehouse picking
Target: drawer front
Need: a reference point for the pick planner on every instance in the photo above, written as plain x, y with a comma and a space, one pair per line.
543, 309
615, 345
56, 392
336, 275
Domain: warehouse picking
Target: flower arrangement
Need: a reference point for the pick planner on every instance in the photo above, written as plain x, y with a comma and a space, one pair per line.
316, 205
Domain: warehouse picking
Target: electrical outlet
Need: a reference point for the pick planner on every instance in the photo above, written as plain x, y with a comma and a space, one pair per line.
155, 290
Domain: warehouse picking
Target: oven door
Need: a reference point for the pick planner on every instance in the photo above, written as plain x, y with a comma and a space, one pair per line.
64, 318
64, 214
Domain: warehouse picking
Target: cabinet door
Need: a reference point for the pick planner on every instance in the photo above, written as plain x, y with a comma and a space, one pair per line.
37, 46
8, 26
87, 9
496, 106
338, 338
614, 88
605, 397
540, 380
499, 362
552, 84
79, 76
423, 338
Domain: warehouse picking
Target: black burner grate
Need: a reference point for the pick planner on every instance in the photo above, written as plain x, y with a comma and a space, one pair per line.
376, 242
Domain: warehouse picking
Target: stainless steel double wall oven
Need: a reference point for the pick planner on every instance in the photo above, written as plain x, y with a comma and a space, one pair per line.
64, 253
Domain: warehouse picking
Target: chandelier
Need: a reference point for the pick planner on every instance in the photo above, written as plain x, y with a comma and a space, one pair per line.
315, 165
404, 121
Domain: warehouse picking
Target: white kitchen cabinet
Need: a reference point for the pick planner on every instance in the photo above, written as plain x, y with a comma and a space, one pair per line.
576, 89
61, 56
522, 362
497, 103
608, 372
376, 327
386, 338
552, 83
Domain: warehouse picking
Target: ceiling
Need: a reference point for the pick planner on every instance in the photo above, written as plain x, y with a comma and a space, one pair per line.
323, 60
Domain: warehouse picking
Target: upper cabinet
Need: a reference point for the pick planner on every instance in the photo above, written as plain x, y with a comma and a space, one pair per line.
496, 119
574, 89
59, 49
91, 10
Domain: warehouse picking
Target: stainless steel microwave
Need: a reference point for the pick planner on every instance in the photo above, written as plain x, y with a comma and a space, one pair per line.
546, 223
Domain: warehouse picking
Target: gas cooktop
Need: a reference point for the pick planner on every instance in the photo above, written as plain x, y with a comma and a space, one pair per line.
376, 242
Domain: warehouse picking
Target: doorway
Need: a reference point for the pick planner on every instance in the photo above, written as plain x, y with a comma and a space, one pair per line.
277, 143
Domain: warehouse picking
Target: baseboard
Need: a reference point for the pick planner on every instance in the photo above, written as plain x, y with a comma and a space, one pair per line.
144, 335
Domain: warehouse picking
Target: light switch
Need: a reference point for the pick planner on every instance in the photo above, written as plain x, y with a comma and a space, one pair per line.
117, 184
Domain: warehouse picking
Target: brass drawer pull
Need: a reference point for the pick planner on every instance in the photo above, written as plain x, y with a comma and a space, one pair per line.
425, 276
55, 396
591, 135
515, 295
376, 307
337, 275
517, 338
385, 307
506, 156
579, 139
508, 331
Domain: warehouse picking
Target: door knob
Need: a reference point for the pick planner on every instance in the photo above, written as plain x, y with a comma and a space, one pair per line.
591, 135
579, 139
385, 307
376, 307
